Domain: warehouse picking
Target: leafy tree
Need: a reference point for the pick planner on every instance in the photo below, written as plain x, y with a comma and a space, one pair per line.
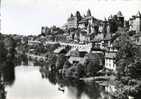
52, 47
134, 69
51, 60
92, 68
127, 59
66, 65
3, 52
60, 61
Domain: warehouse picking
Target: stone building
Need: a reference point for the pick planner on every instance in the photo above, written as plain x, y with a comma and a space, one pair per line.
110, 56
87, 26
135, 23
77, 56
114, 22
44, 30
72, 21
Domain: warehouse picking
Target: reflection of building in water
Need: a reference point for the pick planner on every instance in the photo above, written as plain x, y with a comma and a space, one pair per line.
76, 89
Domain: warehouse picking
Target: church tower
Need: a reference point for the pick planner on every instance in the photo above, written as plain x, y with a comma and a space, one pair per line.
138, 22
89, 13
120, 19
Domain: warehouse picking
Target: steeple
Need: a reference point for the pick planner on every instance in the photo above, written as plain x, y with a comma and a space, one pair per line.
105, 19
88, 13
71, 15
138, 14
110, 17
119, 14
78, 15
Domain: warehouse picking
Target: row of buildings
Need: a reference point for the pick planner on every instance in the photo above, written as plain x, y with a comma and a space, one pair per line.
88, 29
100, 32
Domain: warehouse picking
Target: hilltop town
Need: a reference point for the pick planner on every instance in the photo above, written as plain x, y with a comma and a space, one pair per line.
91, 35
86, 36
86, 48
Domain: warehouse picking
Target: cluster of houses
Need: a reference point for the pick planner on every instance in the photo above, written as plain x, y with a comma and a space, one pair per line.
90, 38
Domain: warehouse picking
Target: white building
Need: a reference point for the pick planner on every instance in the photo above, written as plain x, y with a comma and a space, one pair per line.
135, 23
110, 59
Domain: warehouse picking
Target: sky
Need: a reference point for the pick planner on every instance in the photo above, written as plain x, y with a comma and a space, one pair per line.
25, 17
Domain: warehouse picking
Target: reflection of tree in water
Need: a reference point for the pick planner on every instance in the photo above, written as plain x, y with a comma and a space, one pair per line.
52, 78
22, 59
7, 77
8, 74
91, 89
2, 91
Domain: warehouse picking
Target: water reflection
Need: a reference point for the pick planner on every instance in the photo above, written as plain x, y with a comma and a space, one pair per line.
22, 59
8, 74
33, 82
75, 88
2, 91
7, 77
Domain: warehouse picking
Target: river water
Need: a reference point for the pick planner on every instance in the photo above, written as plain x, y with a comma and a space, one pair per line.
32, 82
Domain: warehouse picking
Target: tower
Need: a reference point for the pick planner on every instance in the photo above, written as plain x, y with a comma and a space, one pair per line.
88, 13
120, 19
138, 22
71, 15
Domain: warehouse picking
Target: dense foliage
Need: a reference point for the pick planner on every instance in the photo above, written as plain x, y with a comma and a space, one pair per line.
128, 61
127, 58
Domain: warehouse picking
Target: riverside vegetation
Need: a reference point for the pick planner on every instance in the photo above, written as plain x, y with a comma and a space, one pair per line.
127, 78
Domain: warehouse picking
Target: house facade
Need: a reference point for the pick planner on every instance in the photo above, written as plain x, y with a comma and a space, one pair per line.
110, 56
135, 23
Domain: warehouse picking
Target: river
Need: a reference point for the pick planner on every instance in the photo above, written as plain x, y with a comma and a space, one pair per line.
31, 82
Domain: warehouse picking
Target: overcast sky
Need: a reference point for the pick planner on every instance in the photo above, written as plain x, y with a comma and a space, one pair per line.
27, 16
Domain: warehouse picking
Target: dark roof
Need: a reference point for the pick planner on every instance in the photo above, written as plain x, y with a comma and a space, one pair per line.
82, 54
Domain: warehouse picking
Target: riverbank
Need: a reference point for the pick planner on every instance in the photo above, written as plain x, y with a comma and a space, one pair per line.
59, 63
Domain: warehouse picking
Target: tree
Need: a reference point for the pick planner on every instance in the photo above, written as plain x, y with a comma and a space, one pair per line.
60, 61
51, 60
91, 67
134, 69
3, 52
127, 60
